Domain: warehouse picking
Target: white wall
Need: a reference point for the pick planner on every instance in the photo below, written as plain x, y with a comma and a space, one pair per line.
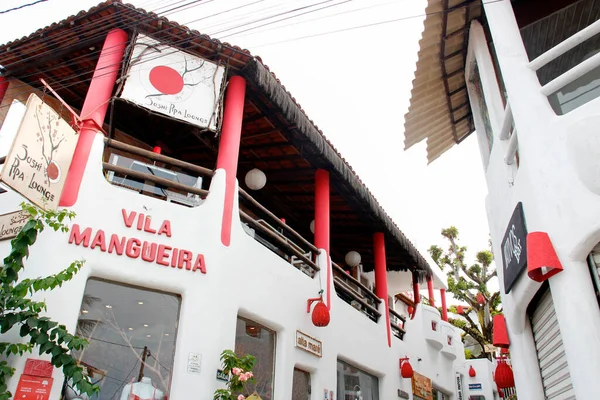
557, 182
245, 278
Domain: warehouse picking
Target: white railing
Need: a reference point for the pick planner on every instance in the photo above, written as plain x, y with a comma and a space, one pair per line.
505, 133
511, 151
507, 123
577, 71
565, 46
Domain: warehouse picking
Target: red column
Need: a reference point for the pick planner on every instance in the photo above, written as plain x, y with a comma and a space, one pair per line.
431, 294
381, 287
322, 221
94, 110
229, 148
444, 306
416, 289
3, 87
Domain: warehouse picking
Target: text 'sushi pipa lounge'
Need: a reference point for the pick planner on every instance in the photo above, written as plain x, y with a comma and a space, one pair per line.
211, 213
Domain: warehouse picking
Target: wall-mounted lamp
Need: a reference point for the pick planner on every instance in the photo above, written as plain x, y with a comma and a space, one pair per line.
406, 370
320, 314
472, 372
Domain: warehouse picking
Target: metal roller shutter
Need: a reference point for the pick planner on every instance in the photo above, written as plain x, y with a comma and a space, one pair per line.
550, 351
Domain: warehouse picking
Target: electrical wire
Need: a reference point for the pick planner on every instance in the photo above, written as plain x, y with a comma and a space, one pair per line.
286, 18
368, 25
22, 6
61, 82
317, 19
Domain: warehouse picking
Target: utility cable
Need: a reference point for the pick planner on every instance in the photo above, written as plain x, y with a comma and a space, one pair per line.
60, 82
22, 6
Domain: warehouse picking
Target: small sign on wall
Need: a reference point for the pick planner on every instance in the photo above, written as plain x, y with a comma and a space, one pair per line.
222, 376
514, 249
12, 223
309, 344
33, 388
194, 363
474, 386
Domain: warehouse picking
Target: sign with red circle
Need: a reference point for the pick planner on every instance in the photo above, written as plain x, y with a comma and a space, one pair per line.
175, 83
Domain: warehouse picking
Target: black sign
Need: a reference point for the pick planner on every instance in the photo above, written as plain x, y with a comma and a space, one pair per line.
222, 376
402, 394
514, 249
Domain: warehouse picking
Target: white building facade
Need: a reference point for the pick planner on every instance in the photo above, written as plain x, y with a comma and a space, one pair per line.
181, 262
528, 85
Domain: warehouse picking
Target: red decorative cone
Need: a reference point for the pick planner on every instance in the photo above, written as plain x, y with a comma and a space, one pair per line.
504, 375
460, 310
320, 314
500, 334
472, 372
542, 261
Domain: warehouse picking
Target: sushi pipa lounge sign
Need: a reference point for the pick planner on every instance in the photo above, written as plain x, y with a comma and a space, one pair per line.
37, 164
174, 83
132, 247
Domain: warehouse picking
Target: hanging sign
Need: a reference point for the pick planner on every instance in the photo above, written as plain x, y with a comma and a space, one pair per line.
37, 164
12, 223
175, 83
309, 344
422, 386
514, 249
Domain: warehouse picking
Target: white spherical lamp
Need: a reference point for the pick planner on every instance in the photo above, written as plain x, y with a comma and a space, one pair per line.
312, 226
255, 179
352, 258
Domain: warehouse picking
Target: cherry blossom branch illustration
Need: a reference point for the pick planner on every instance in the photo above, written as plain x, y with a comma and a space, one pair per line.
51, 134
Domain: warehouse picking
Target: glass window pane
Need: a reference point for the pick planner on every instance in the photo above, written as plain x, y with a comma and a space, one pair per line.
301, 385
132, 335
353, 383
258, 341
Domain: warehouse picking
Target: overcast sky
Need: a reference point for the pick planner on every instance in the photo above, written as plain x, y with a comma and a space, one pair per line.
355, 84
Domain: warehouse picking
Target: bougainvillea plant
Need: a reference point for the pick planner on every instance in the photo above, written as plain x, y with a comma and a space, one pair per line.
19, 311
239, 370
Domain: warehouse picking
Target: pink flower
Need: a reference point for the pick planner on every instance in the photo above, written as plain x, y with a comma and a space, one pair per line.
243, 378
241, 397
249, 375
236, 371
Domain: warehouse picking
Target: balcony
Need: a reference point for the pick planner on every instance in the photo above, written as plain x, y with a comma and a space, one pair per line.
432, 326
563, 47
448, 334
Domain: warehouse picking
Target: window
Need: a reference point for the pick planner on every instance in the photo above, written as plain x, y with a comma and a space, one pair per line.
301, 385
353, 383
132, 335
439, 395
258, 341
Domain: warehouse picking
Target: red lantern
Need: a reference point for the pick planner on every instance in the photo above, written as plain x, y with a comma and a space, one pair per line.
411, 310
320, 314
157, 150
480, 299
406, 370
472, 372
500, 392
504, 376
460, 310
